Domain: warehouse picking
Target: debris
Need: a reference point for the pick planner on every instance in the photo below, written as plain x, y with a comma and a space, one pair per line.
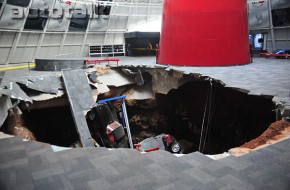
93, 77
80, 99
46, 84
16, 127
137, 75
15, 92
39, 96
139, 92
6, 104
168, 101
163, 81
115, 78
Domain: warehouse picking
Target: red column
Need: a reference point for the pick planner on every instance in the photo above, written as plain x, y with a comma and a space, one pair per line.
204, 33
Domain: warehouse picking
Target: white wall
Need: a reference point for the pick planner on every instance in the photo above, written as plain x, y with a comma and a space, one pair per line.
55, 40
18, 44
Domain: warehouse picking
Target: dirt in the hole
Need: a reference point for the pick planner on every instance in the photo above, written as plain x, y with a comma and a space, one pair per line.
14, 125
271, 133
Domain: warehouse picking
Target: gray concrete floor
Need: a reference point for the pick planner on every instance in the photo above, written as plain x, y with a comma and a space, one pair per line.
262, 77
33, 165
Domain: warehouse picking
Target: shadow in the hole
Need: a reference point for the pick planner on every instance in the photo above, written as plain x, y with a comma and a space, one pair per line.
52, 125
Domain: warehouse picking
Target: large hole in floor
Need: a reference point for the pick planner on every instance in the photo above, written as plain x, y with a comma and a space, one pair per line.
228, 117
52, 125
202, 115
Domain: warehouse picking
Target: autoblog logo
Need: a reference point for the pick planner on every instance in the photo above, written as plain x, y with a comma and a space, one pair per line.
82, 11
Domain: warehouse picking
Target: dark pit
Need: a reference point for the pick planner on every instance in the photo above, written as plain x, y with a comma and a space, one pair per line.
202, 115
228, 117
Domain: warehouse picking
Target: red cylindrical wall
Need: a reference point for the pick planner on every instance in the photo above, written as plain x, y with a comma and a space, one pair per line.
204, 33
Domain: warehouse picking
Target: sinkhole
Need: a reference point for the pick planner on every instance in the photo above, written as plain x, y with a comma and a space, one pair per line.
202, 115
210, 120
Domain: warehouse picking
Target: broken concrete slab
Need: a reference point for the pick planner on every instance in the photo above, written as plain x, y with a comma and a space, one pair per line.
45, 96
77, 87
49, 84
102, 88
14, 91
93, 77
112, 77
2, 74
139, 92
137, 75
80, 99
6, 104
163, 81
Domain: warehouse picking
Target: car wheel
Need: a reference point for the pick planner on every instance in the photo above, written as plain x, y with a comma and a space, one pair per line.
175, 148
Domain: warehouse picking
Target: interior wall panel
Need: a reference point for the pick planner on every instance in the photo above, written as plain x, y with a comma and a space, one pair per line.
110, 39
47, 39
139, 10
74, 39
4, 53
23, 39
280, 4
28, 54
115, 38
48, 51
155, 11
12, 17
282, 44
119, 38
118, 23
156, 1
16, 58
33, 38
52, 39
22, 3
7, 38
29, 39
42, 4
281, 34
72, 51
259, 19
120, 10
95, 38
60, 16
254, 6
85, 52
99, 24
